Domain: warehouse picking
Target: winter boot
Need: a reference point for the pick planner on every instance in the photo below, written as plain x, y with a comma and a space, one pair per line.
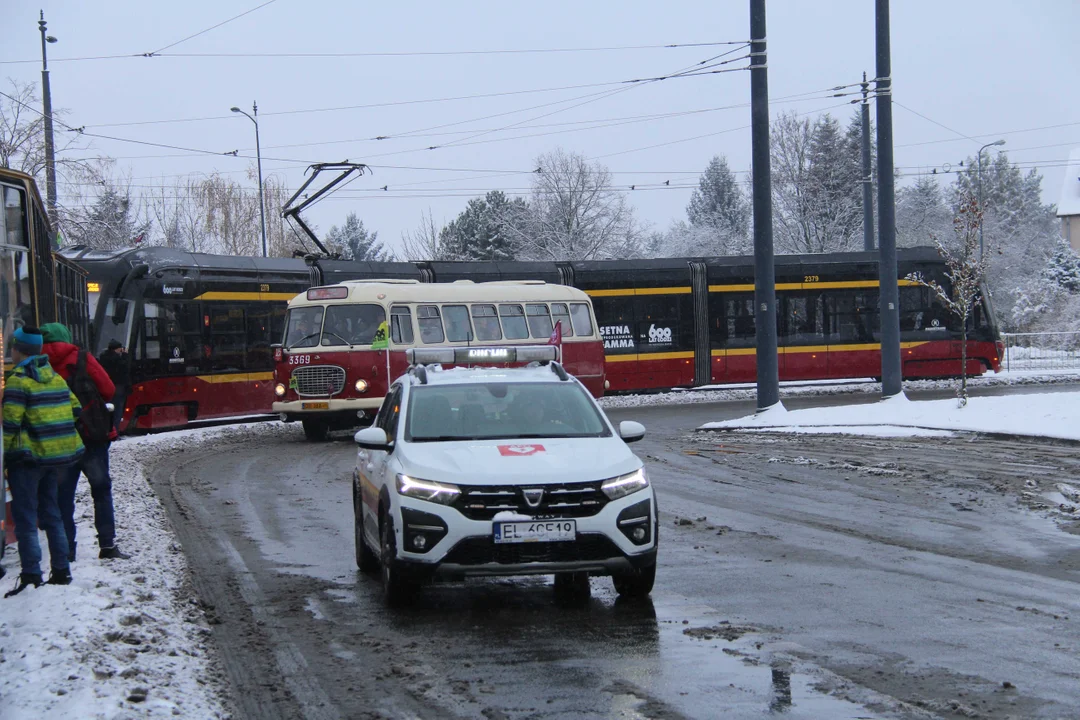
71, 551
112, 553
59, 577
25, 580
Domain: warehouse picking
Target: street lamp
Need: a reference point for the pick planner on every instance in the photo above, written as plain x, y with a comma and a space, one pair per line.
46, 101
258, 157
993, 144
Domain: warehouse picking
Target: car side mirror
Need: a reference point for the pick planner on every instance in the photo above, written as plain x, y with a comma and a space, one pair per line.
373, 438
631, 431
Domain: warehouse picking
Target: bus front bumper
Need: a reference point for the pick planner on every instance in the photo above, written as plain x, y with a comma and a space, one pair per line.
313, 407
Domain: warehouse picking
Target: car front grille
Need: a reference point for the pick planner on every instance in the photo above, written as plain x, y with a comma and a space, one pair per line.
319, 380
565, 500
484, 550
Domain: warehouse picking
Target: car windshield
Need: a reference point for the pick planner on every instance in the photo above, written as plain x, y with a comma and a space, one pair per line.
502, 411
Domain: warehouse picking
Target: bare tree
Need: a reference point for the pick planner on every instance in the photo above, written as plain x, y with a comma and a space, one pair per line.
423, 242
575, 213
966, 270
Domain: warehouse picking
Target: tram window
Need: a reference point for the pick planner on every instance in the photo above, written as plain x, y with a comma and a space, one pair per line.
401, 332
513, 322
853, 316
352, 324
458, 327
486, 322
739, 316
915, 309
431, 329
560, 312
259, 356
229, 332
151, 332
304, 325
717, 325
581, 319
803, 321
277, 321
539, 320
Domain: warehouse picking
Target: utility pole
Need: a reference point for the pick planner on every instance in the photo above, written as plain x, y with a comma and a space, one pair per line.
867, 171
891, 374
46, 101
768, 373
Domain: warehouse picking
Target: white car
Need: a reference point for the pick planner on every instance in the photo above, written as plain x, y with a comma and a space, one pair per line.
486, 471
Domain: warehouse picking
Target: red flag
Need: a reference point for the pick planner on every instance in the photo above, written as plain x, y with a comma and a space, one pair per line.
556, 334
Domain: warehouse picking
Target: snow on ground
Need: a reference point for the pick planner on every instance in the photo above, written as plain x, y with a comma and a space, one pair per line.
1053, 415
126, 639
747, 391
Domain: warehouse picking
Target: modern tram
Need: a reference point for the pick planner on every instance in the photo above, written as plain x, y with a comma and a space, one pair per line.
200, 328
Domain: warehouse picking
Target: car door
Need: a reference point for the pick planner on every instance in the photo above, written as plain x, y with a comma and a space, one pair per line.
373, 464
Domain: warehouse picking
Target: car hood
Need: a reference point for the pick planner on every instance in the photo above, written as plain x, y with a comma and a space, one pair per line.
514, 462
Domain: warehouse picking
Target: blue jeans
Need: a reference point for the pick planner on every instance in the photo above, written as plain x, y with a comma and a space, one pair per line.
95, 466
33, 498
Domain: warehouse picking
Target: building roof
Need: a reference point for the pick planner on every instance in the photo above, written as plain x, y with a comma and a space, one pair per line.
1069, 204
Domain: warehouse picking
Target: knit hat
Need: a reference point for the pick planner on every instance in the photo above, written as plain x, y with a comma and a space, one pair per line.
27, 340
115, 344
55, 332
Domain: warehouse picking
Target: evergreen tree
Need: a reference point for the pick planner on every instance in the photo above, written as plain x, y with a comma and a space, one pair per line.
921, 213
109, 224
719, 208
1063, 268
355, 242
485, 228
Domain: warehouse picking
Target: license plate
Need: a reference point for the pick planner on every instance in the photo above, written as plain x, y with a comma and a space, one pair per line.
538, 531
315, 406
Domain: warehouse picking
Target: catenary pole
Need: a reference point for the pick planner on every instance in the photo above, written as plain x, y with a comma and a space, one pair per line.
867, 172
768, 376
46, 101
891, 378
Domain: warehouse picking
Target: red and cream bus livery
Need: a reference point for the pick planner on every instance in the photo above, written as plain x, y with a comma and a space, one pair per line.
345, 343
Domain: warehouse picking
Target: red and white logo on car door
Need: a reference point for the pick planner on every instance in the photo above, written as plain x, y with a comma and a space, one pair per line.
520, 449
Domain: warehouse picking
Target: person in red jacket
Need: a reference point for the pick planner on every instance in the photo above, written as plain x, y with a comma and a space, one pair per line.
64, 356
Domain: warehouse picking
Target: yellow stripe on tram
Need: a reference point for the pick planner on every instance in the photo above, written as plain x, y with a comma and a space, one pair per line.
220, 295
236, 377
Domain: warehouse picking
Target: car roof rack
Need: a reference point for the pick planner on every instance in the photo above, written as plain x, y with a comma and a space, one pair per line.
559, 371
420, 373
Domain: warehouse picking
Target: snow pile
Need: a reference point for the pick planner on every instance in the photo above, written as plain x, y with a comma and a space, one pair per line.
125, 639
1053, 415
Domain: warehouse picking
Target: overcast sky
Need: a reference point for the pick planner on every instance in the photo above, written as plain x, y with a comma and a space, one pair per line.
985, 70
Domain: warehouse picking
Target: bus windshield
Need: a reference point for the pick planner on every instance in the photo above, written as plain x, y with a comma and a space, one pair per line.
303, 327
316, 326
491, 411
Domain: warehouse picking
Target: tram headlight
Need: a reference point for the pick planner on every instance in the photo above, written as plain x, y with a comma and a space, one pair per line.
361, 386
279, 389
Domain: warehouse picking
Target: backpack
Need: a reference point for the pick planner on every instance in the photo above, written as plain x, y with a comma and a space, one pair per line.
95, 421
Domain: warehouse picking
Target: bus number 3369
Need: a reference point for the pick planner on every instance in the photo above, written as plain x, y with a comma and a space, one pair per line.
299, 359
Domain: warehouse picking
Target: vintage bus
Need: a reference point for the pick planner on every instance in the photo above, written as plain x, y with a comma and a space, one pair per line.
344, 344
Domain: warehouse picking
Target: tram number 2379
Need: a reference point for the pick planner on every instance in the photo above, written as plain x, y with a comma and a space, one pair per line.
299, 359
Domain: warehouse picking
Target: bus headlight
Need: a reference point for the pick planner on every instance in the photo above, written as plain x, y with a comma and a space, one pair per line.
436, 492
279, 389
624, 485
361, 386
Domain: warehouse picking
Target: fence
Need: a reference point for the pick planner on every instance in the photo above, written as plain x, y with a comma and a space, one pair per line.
1042, 351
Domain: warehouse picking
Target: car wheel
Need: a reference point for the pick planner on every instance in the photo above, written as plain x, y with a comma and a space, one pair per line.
316, 430
636, 583
572, 588
396, 589
366, 560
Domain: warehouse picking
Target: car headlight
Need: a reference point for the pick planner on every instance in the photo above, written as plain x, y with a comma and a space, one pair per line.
442, 493
279, 389
361, 386
624, 485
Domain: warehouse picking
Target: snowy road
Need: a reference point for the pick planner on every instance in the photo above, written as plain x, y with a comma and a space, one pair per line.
830, 578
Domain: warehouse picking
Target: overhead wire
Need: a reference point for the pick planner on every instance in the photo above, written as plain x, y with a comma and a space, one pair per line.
155, 53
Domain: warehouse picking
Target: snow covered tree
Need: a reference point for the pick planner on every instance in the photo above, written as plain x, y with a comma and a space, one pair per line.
111, 223
575, 214
485, 228
966, 269
1063, 268
921, 213
719, 210
354, 241
423, 243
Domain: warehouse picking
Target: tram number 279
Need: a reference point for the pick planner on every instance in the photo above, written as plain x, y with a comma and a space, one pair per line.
299, 359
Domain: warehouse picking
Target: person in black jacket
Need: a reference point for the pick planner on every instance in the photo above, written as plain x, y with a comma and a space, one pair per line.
117, 364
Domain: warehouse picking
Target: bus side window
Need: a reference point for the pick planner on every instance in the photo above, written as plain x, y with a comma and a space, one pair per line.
458, 328
582, 320
431, 329
539, 320
513, 322
486, 322
401, 332
560, 312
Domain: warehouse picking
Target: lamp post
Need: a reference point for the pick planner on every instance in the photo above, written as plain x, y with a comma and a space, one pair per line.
993, 144
258, 158
46, 101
